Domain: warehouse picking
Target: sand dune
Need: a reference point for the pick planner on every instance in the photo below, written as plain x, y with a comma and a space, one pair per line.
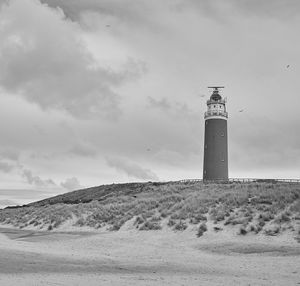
130, 257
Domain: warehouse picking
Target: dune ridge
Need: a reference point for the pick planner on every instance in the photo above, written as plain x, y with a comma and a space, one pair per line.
248, 208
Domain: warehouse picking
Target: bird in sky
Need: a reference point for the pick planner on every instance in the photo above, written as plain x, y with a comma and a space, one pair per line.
241, 110
107, 26
287, 66
148, 149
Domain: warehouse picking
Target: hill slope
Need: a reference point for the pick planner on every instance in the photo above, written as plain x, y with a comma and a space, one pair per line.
269, 208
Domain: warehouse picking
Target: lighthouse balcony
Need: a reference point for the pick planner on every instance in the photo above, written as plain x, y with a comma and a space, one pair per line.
220, 101
215, 113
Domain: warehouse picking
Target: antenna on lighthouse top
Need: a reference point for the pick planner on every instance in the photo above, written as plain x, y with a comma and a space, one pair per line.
216, 88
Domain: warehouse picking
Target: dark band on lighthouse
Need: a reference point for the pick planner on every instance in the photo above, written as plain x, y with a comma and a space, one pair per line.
215, 165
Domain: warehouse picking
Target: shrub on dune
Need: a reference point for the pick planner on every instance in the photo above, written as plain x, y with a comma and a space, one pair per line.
242, 230
283, 218
202, 228
272, 230
171, 222
181, 225
149, 225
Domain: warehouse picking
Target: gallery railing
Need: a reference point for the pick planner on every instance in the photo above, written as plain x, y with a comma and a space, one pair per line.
215, 113
243, 180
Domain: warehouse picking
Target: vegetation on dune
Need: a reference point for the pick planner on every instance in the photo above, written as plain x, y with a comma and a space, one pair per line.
268, 208
202, 228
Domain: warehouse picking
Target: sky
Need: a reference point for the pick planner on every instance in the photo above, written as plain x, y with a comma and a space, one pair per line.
104, 91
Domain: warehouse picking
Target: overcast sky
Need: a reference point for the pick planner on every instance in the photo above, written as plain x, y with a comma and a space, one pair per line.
102, 91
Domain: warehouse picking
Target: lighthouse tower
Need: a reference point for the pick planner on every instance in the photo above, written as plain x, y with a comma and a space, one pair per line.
215, 165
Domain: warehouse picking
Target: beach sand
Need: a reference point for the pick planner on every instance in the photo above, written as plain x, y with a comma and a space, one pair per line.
130, 257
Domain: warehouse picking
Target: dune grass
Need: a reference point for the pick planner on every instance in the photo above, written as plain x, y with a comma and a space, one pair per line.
269, 208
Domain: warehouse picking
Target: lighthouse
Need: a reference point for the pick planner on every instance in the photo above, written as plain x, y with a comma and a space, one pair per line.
215, 165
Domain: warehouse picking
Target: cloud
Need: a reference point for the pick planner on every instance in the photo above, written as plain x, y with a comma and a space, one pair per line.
269, 8
162, 104
45, 60
10, 154
173, 107
83, 149
6, 167
264, 143
131, 169
8, 160
36, 180
130, 12
71, 184
255, 8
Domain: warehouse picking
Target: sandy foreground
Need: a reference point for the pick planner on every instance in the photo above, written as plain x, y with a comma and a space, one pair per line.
131, 257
